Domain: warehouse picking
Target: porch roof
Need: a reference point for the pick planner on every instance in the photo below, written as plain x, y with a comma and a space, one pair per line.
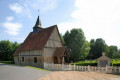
60, 51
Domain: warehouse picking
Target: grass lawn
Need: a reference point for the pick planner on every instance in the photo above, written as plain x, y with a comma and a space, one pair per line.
37, 68
7, 62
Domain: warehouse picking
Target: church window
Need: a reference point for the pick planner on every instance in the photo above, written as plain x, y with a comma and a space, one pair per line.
18, 59
35, 59
22, 59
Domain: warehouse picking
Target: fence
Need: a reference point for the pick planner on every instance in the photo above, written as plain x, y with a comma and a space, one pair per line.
64, 67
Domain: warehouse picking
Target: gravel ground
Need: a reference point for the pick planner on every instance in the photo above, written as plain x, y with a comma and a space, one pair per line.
76, 75
11, 72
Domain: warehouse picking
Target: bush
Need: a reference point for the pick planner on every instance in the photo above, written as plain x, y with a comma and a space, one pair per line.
86, 63
7, 62
115, 64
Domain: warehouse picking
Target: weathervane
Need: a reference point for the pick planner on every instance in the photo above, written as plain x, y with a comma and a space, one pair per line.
38, 11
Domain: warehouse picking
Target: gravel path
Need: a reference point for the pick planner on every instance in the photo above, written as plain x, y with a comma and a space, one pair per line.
10, 72
76, 75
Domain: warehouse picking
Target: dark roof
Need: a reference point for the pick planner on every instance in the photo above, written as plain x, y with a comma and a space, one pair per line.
35, 41
103, 58
38, 22
59, 51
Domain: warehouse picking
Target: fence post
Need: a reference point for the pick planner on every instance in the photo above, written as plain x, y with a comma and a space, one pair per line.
115, 69
69, 66
88, 67
106, 69
119, 69
74, 66
44, 66
62, 66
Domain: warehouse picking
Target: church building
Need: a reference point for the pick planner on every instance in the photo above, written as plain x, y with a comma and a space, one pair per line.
43, 45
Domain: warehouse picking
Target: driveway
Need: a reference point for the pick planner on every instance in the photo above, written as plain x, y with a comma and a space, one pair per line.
11, 72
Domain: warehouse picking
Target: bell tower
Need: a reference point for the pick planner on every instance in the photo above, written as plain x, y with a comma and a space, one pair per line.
37, 26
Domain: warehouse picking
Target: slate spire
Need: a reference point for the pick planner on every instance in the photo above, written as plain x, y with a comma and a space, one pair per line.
38, 22
37, 26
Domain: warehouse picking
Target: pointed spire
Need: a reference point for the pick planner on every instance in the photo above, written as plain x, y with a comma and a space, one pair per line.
37, 26
38, 23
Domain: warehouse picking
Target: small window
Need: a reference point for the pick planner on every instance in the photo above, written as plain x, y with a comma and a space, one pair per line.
18, 59
35, 59
22, 59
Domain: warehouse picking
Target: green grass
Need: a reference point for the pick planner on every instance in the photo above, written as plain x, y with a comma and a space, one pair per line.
37, 68
7, 62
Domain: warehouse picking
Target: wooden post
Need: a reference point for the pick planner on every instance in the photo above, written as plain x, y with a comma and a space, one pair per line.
74, 66
106, 69
88, 67
62, 66
115, 69
119, 69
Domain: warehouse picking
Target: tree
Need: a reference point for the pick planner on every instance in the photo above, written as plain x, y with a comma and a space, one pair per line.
113, 52
92, 49
7, 49
97, 47
77, 45
62, 38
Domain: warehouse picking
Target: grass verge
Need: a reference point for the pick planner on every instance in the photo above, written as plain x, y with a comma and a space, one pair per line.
37, 68
7, 62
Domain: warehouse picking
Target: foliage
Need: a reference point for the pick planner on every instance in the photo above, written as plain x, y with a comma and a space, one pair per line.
113, 52
62, 38
6, 62
113, 62
7, 49
97, 47
86, 63
77, 45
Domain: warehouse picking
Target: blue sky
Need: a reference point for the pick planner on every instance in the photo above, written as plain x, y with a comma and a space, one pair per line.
97, 18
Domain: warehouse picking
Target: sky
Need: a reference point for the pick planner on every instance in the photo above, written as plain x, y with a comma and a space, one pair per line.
97, 18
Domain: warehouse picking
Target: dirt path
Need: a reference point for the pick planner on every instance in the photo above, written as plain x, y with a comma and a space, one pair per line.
76, 75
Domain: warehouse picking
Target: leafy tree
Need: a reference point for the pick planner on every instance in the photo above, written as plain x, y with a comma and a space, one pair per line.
7, 49
113, 52
62, 38
77, 44
97, 47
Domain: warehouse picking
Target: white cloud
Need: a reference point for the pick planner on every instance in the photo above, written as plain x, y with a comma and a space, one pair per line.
16, 8
11, 28
42, 5
22, 10
27, 6
97, 18
10, 18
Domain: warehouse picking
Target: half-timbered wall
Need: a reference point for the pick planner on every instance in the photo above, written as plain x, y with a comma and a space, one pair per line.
29, 58
53, 42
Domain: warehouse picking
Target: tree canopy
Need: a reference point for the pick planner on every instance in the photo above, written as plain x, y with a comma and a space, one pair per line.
7, 49
77, 44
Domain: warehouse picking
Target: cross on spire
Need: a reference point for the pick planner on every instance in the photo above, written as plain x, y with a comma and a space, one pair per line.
38, 11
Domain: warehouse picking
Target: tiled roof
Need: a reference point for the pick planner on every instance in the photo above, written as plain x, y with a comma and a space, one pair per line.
35, 41
59, 51
103, 58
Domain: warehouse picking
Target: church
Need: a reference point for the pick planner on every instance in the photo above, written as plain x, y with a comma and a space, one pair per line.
43, 45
